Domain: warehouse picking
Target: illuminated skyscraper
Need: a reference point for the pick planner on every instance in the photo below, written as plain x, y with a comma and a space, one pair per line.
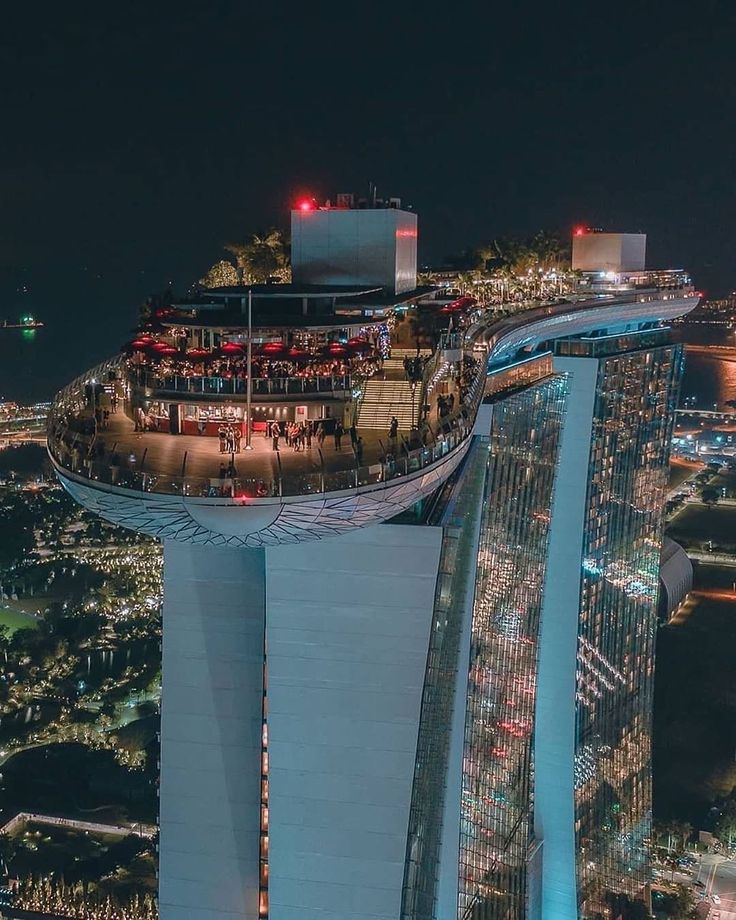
412, 680
556, 805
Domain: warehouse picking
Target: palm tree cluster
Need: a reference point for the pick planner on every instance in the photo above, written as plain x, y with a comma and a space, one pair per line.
510, 269
543, 251
262, 258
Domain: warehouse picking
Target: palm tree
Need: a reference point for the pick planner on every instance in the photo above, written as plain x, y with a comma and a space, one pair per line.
262, 257
550, 251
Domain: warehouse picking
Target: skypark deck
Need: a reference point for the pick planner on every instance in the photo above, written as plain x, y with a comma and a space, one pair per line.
173, 486
118, 455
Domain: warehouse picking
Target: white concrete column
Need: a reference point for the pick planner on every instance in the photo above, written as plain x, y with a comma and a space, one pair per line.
348, 632
212, 698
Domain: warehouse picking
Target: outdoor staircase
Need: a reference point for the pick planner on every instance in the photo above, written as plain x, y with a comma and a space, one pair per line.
384, 398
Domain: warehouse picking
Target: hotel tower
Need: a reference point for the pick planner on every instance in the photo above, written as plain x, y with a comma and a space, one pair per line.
409, 602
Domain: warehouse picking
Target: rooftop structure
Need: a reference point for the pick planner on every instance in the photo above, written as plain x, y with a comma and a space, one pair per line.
595, 251
373, 243
369, 635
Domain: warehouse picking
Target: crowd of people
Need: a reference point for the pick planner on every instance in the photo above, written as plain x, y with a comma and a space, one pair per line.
229, 437
300, 436
263, 369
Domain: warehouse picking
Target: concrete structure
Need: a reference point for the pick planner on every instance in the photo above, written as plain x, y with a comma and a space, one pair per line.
608, 252
675, 578
355, 246
351, 708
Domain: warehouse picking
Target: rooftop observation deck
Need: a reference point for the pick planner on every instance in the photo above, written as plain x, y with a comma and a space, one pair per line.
115, 453
117, 458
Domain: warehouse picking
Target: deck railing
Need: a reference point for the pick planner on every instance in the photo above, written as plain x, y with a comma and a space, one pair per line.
230, 386
76, 446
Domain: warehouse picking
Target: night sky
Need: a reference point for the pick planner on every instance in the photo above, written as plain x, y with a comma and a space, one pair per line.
136, 138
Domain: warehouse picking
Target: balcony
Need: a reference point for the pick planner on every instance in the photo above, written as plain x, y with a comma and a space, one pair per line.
300, 387
115, 454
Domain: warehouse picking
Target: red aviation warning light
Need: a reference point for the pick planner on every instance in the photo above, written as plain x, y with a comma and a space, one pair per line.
579, 231
306, 204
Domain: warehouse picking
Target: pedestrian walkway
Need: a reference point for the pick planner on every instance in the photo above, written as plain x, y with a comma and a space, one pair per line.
199, 456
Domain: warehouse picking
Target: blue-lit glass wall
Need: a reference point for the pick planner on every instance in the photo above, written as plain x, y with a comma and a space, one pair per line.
496, 816
454, 580
632, 425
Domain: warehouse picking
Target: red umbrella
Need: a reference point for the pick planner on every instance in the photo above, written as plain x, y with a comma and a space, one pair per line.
167, 350
297, 354
138, 344
273, 349
198, 354
231, 348
359, 347
336, 350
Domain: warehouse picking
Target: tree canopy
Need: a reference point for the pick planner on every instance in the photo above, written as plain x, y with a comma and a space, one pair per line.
262, 258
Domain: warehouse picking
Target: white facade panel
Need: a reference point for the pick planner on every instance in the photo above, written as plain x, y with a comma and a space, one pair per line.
372, 247
212, 705
341, 749
633, 252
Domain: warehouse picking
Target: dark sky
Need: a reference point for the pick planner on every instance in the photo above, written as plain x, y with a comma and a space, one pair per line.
135, 138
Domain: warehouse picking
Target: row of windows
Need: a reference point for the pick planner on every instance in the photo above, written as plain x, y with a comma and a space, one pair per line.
633, 415
497, 801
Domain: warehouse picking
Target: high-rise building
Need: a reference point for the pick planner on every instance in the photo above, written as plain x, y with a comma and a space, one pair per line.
405, 677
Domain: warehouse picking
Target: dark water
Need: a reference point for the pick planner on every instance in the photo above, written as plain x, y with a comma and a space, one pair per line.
34, 365
84, 323
101, 663
708, 378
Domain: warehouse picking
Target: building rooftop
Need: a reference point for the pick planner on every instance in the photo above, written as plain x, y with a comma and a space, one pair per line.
288, 306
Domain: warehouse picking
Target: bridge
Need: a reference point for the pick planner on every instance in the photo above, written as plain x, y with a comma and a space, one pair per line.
722, 352
715, 414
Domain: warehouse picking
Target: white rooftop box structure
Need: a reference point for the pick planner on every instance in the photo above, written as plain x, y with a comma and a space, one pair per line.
374, 246
608, 252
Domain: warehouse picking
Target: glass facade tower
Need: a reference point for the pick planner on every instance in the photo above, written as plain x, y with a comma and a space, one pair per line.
628, 473
496, 809
555, 808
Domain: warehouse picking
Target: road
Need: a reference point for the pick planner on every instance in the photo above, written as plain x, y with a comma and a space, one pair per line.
90, 827
719, 876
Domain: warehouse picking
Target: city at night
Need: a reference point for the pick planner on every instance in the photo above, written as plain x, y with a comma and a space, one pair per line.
367, 463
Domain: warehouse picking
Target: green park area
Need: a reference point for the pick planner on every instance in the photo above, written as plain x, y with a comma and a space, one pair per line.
13, 619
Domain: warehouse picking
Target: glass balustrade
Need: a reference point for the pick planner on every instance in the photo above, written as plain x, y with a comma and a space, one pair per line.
238, 386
